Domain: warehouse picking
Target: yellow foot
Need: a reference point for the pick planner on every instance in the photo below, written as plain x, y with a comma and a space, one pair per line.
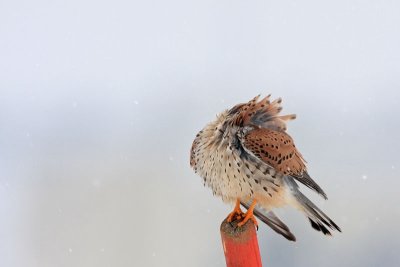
249, 216
236, 214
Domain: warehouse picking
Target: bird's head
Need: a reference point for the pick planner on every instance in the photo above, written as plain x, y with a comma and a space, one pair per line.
253, 114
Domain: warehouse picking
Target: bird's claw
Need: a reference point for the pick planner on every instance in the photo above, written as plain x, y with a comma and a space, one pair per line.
248, 216
235, 215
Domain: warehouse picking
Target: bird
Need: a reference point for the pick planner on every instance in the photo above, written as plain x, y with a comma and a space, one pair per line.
246, 157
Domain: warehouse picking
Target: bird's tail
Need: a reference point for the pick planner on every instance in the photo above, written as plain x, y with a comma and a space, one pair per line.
270, 219
318, 219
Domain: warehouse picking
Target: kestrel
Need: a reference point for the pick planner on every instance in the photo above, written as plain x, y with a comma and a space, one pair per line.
246, 157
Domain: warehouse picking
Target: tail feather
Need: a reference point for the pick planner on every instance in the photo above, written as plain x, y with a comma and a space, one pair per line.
318, 219
270, 219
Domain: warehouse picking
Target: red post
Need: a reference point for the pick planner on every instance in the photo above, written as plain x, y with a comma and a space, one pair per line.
240, 245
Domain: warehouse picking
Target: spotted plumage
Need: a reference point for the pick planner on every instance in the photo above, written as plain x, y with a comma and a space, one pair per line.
245, 155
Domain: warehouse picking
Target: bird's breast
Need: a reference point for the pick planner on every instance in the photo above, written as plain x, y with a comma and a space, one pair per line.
231, 173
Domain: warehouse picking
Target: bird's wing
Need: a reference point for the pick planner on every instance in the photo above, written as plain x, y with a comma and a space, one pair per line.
270, 219
277, 149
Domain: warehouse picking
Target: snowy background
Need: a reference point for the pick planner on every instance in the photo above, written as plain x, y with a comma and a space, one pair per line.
100, 101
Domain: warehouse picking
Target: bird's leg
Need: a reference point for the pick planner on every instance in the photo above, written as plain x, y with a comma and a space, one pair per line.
249, 215
236, 214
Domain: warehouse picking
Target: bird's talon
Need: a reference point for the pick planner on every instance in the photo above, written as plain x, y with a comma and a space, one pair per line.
249, 216
236, 214
239, 216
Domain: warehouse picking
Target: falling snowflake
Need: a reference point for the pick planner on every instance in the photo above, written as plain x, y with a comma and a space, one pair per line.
364, 177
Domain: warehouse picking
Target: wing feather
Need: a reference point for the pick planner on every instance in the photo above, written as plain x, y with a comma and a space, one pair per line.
277, 149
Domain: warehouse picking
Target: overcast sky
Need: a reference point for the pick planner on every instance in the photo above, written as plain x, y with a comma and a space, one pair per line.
100, 101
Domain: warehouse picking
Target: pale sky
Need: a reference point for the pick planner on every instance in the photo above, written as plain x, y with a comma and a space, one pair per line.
100, 101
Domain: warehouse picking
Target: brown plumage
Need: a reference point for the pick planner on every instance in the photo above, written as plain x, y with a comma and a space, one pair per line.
246, 156
276, 149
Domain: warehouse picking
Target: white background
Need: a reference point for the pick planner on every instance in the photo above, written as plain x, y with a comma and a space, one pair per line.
100, 101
